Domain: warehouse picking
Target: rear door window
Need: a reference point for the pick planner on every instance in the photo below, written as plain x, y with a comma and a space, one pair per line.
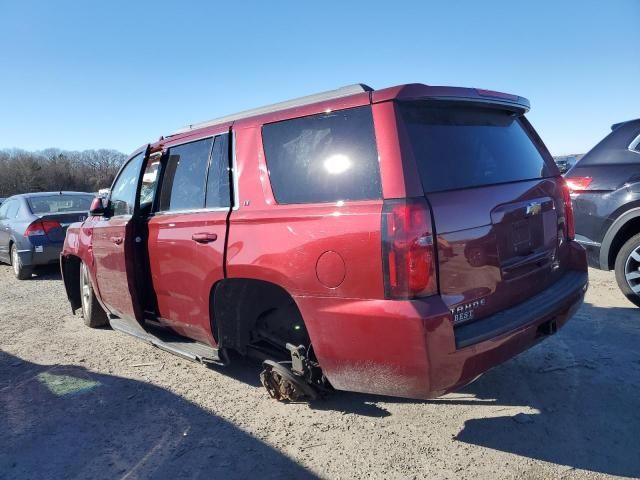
323, 158
10, 209
4, 208
458, 146
185, 177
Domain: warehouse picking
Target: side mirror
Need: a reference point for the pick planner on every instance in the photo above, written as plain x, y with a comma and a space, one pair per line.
97, 208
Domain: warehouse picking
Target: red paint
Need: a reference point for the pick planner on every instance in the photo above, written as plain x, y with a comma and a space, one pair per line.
183, 270
329, 258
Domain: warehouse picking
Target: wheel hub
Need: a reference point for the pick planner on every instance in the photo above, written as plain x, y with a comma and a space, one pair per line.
632, 271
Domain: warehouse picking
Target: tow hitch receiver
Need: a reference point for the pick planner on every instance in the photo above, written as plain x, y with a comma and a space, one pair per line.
294, 381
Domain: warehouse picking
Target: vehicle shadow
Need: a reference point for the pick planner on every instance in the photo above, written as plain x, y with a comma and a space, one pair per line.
47, 272
581, 389
67, 422
572, 400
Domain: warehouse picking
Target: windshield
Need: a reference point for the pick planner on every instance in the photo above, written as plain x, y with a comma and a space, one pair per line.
60, 204
460, 146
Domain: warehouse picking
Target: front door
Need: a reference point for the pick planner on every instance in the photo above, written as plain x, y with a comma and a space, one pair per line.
113, 244
187, 233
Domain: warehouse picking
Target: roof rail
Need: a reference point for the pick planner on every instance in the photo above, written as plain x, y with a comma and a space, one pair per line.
296, 102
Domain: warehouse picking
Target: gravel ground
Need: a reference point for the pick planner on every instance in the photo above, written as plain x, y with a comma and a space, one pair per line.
81, 403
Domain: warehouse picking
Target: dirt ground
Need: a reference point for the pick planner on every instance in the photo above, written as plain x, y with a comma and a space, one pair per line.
81, 403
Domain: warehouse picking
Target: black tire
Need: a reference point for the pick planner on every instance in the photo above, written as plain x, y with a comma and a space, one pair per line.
92, 313
628, 269
21, 271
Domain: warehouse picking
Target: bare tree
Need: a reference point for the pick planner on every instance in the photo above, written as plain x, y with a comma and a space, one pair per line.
54, 170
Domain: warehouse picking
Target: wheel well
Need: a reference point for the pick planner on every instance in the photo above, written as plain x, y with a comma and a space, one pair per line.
249, 314
628, 230
70, 269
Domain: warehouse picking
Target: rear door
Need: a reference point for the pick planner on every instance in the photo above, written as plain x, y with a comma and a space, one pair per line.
187, 233
497, 203
5, 228
113, 244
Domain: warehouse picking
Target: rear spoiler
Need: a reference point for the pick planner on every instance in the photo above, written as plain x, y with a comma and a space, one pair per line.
618, 125
418, 91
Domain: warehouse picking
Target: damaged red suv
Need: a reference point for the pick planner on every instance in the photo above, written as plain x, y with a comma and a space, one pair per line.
398, 241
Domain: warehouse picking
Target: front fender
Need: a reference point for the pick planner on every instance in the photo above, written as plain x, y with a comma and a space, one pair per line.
77, 248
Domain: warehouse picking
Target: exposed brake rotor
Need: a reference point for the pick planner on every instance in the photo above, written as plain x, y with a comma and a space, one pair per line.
284, 385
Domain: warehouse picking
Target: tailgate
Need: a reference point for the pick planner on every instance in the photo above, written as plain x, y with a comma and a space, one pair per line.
496, 199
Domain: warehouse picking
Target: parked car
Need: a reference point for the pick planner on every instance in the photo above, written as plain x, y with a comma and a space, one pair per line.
33, 225
565, 163
605, 187
310, 234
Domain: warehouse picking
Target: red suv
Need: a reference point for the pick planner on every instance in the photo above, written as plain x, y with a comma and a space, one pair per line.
398, 241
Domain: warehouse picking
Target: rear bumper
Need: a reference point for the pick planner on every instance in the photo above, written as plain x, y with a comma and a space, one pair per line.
41, 254
411, 348
593, 250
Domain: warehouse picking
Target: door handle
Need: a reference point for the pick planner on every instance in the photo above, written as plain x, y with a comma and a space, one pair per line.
204, 237
116, 240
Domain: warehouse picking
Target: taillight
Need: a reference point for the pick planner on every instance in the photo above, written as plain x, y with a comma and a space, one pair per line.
578, 183
407, 248
41, 227
568, 211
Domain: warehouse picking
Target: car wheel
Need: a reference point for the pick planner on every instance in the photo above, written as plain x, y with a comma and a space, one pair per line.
22, 272
92, 313
628, 269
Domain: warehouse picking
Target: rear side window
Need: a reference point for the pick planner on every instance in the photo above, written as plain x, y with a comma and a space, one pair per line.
323, 158
465, 146
184, 181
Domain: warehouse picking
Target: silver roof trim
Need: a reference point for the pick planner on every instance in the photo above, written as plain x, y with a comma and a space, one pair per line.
635, 143
296, 102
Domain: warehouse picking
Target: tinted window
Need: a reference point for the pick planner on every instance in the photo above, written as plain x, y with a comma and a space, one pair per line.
218, 191
614, 149
462, 146
123, 192
184, 180
60, 204
323, 158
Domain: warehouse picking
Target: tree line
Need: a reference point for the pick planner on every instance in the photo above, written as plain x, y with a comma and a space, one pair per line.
54, 170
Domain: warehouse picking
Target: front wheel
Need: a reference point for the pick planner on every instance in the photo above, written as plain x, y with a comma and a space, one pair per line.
92, 312
21, 271
628, 269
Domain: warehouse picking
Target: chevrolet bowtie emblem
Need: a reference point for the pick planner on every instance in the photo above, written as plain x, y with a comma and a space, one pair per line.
534, 208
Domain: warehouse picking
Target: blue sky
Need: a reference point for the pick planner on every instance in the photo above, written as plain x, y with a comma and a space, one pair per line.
118, 74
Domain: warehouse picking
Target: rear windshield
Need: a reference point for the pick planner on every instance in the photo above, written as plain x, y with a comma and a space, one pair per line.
60, 204
458, 146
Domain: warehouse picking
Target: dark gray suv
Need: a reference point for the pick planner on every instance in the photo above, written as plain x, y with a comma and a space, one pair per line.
605, 187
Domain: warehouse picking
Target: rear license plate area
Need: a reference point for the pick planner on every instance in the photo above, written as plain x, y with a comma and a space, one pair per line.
521, 237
